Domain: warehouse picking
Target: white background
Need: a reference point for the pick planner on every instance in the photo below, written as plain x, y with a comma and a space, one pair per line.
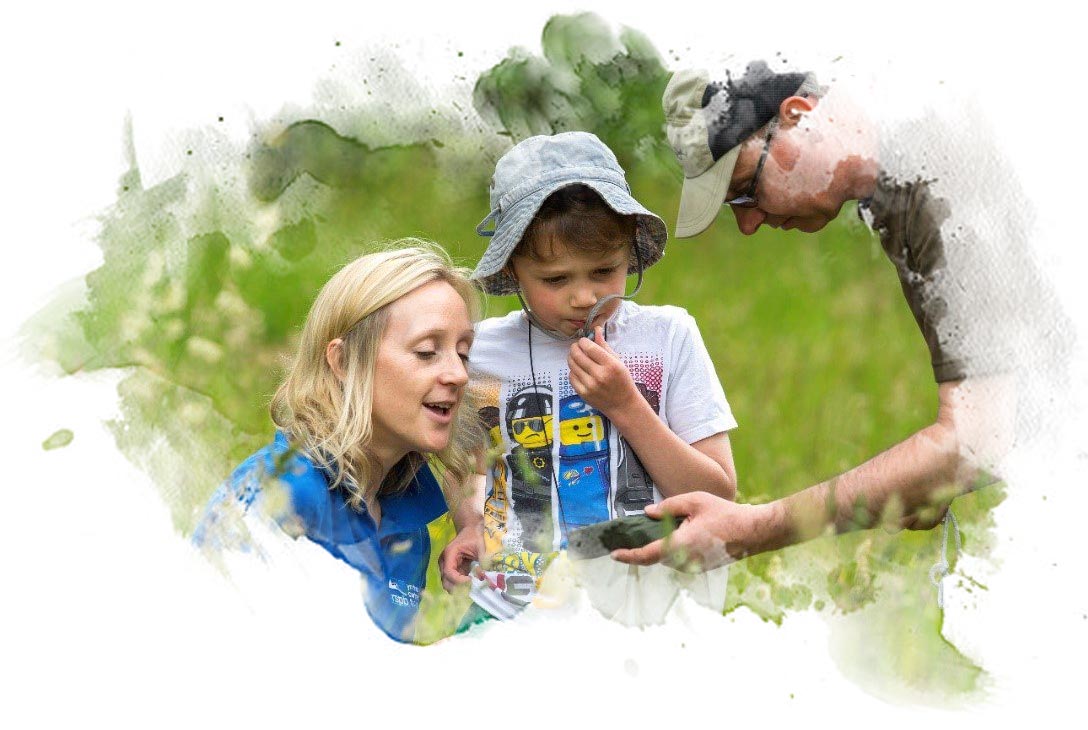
108, 617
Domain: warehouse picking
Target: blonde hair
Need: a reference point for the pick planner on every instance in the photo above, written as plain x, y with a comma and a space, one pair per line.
330, 419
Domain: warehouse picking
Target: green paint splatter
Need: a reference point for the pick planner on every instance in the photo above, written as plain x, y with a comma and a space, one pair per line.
207, 276
58, 440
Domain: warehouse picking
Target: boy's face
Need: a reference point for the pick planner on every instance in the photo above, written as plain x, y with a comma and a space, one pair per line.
562, 288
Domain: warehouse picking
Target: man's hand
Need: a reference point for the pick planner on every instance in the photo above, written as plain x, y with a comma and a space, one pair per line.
598, 376
459, 554
714, 532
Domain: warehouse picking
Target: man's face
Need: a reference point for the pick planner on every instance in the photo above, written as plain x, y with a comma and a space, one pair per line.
796, 188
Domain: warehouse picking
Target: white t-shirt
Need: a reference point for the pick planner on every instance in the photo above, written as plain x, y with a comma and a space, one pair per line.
558, 463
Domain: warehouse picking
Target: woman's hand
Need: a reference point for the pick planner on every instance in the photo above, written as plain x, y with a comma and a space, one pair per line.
599, 377
460, 553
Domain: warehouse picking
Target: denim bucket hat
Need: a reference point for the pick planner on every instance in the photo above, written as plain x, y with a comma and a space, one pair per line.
534, 169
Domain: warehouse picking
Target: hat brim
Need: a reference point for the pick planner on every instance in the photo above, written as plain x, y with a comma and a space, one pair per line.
701, 197
491, 273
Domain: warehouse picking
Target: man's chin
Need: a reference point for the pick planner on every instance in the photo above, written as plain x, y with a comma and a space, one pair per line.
811, 225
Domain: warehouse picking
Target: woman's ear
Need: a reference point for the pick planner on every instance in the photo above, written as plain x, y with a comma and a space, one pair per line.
793, 108
334, 352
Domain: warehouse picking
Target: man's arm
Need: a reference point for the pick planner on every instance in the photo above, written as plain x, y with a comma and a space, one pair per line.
599, 377
909, 485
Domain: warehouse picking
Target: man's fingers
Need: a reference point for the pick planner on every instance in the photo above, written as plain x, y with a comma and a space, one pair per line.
680, 505
645, 555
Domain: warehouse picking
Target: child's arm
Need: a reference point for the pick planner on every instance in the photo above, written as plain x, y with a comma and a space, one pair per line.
468, 518
599, 377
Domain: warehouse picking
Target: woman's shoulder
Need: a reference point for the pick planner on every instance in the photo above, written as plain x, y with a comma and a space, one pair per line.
285, 465
287, 482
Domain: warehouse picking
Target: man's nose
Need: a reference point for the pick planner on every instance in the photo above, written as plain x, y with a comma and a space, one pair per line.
748, 219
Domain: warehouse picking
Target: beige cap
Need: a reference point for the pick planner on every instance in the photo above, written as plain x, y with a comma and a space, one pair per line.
706, 130
705, 180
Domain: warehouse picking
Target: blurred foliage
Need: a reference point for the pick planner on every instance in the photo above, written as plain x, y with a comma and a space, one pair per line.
207, 277
58, 439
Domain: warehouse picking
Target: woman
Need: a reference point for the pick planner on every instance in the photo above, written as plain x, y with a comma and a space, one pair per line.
375, 386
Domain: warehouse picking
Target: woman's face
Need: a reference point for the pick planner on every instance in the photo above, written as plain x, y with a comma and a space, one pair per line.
420, 373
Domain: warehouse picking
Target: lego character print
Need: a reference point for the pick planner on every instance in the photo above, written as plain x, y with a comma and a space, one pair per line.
583, 474
529, 426
496, 505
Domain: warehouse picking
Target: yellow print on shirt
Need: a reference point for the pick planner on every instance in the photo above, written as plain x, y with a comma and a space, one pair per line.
524, 562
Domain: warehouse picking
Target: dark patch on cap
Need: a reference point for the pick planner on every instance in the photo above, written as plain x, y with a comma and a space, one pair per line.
734, 109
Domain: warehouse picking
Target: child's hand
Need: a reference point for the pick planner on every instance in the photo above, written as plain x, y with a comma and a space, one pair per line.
598, 375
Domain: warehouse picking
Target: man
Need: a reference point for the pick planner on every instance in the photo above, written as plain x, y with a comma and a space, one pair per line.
781, 151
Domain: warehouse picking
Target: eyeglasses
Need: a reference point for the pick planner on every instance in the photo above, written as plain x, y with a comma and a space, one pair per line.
748, 199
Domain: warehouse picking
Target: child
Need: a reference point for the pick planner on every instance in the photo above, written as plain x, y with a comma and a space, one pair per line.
585, 428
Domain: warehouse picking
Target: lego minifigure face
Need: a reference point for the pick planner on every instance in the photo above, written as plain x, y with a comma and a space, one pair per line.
583, 430
532, 432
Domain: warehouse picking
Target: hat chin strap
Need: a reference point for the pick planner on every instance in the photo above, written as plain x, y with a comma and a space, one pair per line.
536, 322
587, 329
